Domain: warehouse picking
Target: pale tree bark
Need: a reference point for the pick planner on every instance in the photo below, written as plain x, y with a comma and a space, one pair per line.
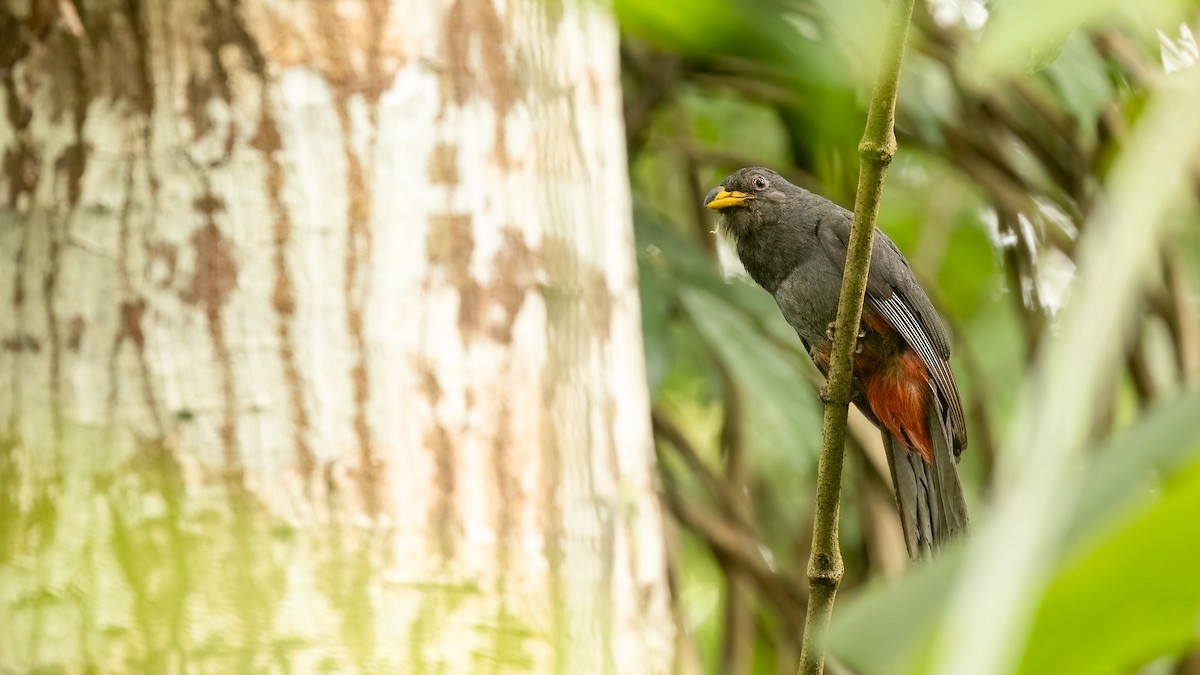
319, 341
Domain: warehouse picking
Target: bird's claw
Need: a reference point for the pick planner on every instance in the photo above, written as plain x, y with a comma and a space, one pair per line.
831, 331
824, 395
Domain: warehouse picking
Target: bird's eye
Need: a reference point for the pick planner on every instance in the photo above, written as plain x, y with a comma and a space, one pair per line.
760, 183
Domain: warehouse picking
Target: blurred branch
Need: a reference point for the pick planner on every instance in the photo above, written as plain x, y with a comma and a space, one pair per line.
1179, 314
980, 392
882, 536
1115, 46
725, 534
654, 73
825, 567
687, 656
1188, 664
667, 430
751, 86
734, 160
727, 538
1021, 269
981, 417
1181, 318
1139, 372
739, 628
700, 219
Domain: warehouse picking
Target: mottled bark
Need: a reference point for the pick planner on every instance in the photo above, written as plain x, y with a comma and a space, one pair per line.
319, 341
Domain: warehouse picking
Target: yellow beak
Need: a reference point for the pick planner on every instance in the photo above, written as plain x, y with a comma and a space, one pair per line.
725, 199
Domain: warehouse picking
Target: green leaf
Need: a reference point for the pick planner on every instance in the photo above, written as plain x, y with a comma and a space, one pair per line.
1019, 30
1133, 596
783, 421
656, 300
1082, 79
887, 629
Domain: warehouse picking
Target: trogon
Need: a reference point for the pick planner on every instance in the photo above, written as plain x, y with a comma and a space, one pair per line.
793, 243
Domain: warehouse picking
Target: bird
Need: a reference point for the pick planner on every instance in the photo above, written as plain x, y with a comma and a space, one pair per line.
793, 243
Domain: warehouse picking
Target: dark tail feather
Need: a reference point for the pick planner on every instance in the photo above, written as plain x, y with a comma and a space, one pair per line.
929, 496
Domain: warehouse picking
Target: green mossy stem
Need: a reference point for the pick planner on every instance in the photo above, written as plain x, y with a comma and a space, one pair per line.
878, 145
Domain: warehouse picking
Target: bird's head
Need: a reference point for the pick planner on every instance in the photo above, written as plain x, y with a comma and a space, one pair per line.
749, 198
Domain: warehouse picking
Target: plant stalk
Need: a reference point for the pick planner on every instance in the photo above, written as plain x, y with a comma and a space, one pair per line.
876, 150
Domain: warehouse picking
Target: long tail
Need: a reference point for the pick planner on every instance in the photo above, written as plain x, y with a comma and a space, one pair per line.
929, 496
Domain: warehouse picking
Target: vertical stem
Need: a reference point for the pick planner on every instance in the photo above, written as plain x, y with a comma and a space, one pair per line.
876, 150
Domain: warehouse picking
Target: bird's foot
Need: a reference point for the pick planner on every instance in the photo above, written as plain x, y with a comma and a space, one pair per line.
831, 331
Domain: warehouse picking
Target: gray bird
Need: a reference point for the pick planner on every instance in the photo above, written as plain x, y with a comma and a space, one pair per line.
793, 244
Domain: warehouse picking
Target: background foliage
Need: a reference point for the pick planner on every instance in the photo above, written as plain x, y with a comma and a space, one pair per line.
1023, 128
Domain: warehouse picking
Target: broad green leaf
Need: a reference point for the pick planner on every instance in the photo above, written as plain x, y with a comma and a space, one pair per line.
1133, 596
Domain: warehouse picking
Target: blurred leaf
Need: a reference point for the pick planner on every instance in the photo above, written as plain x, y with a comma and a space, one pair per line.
764, 31
1041, 56
783, 421
918, 192
1020, 33
656, 300
1133, 596
927, 98
741, 325
702, 584
885, 630
727, 122
682, 264
1082, 80
882, 631
1166, 438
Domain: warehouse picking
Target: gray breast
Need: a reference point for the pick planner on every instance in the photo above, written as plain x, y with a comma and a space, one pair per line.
808, 297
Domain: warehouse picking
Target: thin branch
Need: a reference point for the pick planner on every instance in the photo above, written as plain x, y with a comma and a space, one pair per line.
825, 567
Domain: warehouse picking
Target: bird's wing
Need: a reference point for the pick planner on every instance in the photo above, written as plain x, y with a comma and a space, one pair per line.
894, 293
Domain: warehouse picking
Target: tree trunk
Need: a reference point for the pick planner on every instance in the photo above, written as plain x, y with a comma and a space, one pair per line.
320, 341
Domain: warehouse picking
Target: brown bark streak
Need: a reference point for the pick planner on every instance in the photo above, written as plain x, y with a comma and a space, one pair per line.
214, 281
477, 20
337, 40
49, 285
358, 255
444, 522
283, 295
